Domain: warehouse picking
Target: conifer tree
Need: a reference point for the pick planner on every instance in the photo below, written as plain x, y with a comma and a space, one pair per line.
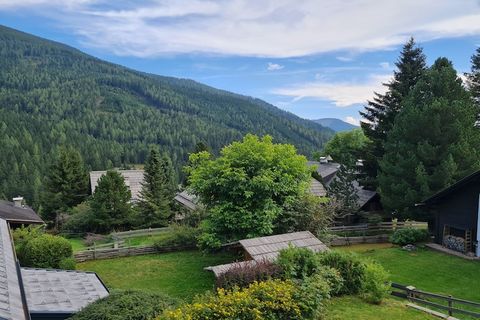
473, 78
110, 203
66, 184
433, 142
380, 112
342, 190
158, 190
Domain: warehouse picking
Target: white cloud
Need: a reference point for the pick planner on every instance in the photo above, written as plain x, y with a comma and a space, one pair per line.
274, 66
352, 120
342, 94
268, 28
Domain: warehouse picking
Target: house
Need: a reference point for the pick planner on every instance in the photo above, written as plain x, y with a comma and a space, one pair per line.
456, 213
16, 213
35, 294
133, 180
267, 248
187, 200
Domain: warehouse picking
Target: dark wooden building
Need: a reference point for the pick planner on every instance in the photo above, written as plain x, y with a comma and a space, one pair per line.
456, 214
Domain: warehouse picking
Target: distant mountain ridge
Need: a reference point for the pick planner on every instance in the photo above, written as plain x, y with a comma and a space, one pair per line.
336, 125
52, 95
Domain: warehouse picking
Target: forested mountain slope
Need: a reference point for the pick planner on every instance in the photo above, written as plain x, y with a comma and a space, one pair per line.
52, 94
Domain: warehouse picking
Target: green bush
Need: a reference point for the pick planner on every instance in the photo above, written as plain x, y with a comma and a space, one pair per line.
376, 286
350, 267
22, 235
272, 299
46, 251
67, 264
298, 263
179, 235
333, 278
409, 236
126, 305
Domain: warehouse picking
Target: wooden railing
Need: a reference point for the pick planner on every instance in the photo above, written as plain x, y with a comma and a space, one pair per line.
382, 226
138, 233
445, 303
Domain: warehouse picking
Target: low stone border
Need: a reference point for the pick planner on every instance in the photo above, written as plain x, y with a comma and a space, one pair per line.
440, 248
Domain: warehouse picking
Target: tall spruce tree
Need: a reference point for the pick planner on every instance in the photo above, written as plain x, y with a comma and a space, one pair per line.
66, 184
158, 190
342, 189
433, 143
380, 112
473, 78
110, 203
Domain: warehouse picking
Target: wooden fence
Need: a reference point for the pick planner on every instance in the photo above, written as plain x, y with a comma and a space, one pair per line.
347, 241
109, 253
382, 226
138, 233
445, 303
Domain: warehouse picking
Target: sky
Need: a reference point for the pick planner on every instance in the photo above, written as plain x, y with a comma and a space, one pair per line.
314, 58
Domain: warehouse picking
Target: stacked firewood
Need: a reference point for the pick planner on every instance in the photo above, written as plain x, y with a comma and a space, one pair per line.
454, 243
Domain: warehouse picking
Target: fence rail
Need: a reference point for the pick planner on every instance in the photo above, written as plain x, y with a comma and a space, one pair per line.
435, 300
138, 233
110, 253
382, 226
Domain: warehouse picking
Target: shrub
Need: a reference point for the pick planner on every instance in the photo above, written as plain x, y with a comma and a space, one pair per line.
67, 264
46, 251
376, 286
179, 235
409, 236
241, 274
22, 235
297, 263
312, 291
333, 278
126, 305
350, 268
273, 299
79, 220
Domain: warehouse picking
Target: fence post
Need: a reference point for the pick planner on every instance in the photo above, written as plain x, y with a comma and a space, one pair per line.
410, 292
94, 249
450, 304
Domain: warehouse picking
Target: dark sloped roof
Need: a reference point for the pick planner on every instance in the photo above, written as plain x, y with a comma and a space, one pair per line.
17, 214
459, 184
364, 196
186, 199
60, 291
11, 302
326, 170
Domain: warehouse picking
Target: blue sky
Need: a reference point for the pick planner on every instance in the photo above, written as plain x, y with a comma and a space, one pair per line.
314, 58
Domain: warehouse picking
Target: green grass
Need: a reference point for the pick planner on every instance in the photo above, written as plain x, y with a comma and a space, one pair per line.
178, 274
77, 244
427, 270
353, 308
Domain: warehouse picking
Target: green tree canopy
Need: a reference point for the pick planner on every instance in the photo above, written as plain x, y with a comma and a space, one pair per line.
473, 78
158, 190
110, 203
346, 147
66, 184
433, 142
246, 188
342, 190
381, 112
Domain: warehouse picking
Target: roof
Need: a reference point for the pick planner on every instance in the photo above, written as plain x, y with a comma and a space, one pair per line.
18, 214
268, 247
364, 195
448, 190
11, 302
186, 199
220, 269
326, 170
317, 188
133, 180
60, 291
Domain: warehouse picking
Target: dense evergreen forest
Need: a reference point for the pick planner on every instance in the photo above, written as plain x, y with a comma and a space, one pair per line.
53, 95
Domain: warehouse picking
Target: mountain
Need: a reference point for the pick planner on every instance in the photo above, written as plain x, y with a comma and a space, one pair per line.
336, 124
52, 94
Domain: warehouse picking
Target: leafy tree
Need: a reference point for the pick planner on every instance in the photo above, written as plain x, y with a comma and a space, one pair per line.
246, 188
433, 143
110, 203
342, 189
346, 147
66, 184
158, 190
473, 78
381, 112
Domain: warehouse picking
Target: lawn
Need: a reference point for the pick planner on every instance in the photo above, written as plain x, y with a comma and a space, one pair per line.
427, 269
77, 244
178, 274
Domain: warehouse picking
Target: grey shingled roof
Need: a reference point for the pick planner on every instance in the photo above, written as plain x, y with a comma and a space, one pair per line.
16, 214
60, 291
269, 247
11, 303
222, 268
133, 180
363, 195
186, 199
326, 170
317, 188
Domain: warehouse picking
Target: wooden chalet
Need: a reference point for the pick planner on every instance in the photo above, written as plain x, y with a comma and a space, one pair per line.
16, 213
456, 213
